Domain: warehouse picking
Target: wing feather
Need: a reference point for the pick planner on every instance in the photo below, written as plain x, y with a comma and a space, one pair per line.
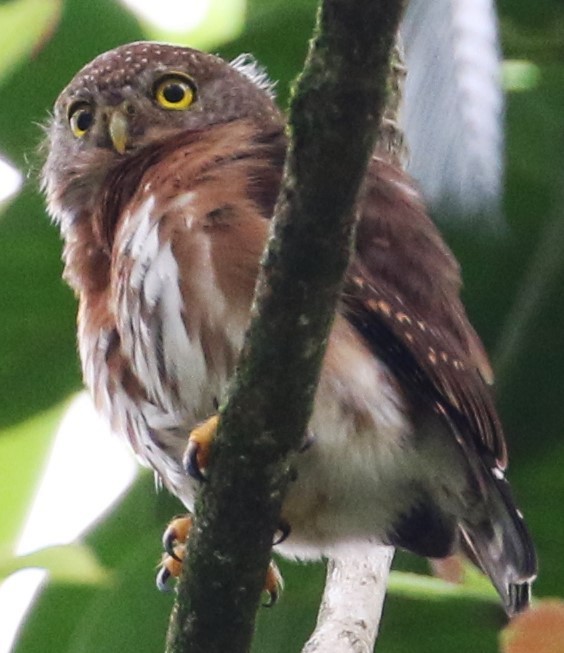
402, 294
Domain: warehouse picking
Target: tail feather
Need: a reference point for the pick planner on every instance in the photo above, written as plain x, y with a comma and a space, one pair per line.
500, 543
519, 597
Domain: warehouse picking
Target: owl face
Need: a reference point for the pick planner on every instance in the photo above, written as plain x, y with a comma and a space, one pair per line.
137, 96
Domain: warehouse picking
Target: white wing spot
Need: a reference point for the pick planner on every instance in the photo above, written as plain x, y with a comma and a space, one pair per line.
496, 471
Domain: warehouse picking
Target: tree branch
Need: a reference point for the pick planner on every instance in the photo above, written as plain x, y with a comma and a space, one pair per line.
357, 580
334, 115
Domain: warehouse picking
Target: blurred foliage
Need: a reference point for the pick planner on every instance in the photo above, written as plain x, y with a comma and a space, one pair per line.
513, 293
540, 630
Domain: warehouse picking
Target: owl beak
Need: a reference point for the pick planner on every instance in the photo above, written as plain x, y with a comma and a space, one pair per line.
118, 128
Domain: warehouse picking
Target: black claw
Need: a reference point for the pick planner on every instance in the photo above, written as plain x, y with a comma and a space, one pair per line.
162, 579
308, 441
272, 599
284, 529
191, 462
169, 540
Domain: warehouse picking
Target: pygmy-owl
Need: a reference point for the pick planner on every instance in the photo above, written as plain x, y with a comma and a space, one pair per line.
162, 172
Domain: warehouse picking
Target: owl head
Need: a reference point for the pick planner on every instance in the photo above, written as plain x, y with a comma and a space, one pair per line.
134, 98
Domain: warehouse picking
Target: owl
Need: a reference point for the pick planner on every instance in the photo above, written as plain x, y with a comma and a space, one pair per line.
163, 167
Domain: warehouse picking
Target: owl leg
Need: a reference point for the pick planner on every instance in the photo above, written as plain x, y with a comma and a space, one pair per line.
174, 543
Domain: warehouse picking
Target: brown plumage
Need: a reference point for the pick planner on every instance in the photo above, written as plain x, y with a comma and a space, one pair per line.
163, 169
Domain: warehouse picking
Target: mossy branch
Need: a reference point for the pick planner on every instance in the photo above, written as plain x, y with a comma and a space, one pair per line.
335, 112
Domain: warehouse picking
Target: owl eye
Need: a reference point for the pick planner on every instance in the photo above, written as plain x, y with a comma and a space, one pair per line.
175, 92
81, 118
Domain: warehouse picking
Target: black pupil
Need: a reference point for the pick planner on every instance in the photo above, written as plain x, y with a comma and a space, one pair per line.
83, 120
174, 93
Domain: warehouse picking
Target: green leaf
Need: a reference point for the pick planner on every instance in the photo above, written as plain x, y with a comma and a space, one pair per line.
520, 75
70, 563
25, 23
23, 449
129, 613
419, 586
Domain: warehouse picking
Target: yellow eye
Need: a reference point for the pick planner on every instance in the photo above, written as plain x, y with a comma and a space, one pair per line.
81, 117
175, 92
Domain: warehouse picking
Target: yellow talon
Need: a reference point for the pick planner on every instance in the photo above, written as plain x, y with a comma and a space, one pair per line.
176, 533
196, 457
174, 565
174, 545
175, 538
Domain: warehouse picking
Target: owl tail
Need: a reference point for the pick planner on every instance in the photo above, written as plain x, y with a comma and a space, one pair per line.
500, 544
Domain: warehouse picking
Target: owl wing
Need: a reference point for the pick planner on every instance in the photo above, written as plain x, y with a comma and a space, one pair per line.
402, 295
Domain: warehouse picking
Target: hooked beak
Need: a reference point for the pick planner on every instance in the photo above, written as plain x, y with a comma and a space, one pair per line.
118, 128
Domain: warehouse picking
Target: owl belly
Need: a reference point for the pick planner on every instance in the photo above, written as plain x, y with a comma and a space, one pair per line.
352, 482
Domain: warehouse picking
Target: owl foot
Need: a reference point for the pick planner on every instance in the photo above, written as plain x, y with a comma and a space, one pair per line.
196, 457
174, 545
175, 538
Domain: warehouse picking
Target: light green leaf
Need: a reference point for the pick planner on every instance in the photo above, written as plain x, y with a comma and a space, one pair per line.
418, 586
24, 24
23, 449
68, 563
520, 75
